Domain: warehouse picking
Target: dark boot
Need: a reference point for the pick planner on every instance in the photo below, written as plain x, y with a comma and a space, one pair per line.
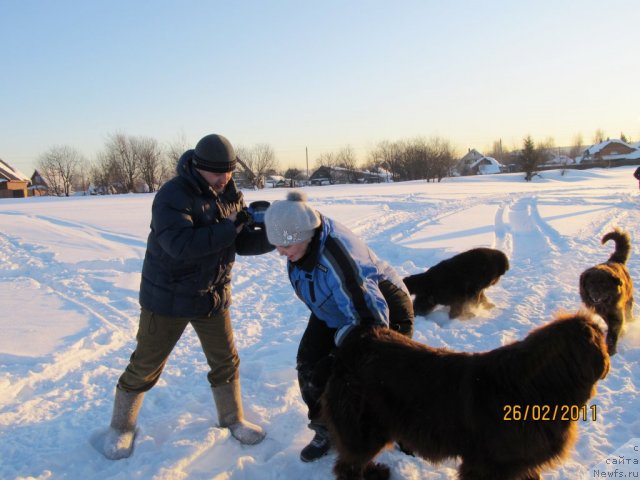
230, 414
319, 445
118, 442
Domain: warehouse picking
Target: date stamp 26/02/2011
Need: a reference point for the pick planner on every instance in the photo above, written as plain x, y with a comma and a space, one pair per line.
549, 413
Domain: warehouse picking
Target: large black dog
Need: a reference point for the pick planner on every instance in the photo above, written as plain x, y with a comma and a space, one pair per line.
458, 282
507, 413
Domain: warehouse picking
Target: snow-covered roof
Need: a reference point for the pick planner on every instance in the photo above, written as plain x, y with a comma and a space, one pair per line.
491, 161
10, 173
471, 156
42, 178
593, 149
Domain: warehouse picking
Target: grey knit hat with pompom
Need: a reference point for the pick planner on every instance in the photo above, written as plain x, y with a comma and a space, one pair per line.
291, 221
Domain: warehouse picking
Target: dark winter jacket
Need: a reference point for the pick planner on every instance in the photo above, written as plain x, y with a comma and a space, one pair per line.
339, 280
636, 174
192, 245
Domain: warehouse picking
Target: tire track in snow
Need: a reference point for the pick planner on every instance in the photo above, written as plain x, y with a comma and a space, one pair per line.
531, 241
69, 283
115, 237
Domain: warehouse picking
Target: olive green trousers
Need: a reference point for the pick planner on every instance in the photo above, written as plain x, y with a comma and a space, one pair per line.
158, 334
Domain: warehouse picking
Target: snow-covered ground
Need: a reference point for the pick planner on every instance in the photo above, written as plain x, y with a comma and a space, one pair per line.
69, 276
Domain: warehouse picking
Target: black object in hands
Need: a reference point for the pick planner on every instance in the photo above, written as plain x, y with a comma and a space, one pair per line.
253, 215
256, 210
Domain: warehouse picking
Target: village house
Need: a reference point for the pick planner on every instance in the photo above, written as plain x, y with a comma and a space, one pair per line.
39, 185
13, 183
475, 163
611, 151
485, 166
333, 175
464, 165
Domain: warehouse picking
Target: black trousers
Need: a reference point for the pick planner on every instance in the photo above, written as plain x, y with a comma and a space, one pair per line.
317, 343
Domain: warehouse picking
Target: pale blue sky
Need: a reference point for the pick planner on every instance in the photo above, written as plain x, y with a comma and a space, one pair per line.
322, 74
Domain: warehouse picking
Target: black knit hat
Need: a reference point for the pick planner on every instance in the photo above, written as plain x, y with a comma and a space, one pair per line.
214, 153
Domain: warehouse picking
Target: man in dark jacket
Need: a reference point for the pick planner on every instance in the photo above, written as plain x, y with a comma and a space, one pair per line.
636, 175
197, 226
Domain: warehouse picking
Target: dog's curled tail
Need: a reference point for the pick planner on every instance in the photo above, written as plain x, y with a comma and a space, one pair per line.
623, 245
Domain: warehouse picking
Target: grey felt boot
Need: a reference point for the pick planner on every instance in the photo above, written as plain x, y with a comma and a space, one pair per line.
230, 414
118, 442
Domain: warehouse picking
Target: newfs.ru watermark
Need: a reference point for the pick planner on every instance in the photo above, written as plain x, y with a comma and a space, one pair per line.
623, 463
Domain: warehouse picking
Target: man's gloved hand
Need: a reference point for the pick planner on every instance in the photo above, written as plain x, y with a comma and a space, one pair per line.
242, 217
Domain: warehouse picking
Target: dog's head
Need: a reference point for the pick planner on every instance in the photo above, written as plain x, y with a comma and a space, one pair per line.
600, 286
503, 264
570, 352
585, 344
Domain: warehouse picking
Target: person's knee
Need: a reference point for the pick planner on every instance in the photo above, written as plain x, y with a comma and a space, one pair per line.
224, 372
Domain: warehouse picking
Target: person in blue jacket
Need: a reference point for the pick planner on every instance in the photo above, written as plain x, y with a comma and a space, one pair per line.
198, 224
343, 283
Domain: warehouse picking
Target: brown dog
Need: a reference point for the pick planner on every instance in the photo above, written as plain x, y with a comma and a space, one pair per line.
508, 413
458, 282
607, 288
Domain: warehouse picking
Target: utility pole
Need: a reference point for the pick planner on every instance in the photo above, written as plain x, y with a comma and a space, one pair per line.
306, 151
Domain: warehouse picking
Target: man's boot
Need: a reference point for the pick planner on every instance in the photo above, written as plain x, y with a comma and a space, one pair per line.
118, 442
230, 414
319, 445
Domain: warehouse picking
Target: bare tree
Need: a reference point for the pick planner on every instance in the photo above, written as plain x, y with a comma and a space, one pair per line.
120, 151
148, 155
346, 158
59, 165
498, 151
577, 146
328, 159
103, 173
547, 149
442, 156
260, 159
293, 175
83, 178
414, 159
389, 156
175, 149
599, 136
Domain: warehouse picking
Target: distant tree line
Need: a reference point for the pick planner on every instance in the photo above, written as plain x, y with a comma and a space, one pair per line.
142, 164
415, 159
126, 164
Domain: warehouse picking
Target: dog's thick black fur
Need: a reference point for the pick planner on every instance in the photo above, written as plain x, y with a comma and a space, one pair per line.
458, 282
438, 404
607, 288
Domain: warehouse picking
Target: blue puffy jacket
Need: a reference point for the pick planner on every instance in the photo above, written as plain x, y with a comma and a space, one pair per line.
192, 246
338, 280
